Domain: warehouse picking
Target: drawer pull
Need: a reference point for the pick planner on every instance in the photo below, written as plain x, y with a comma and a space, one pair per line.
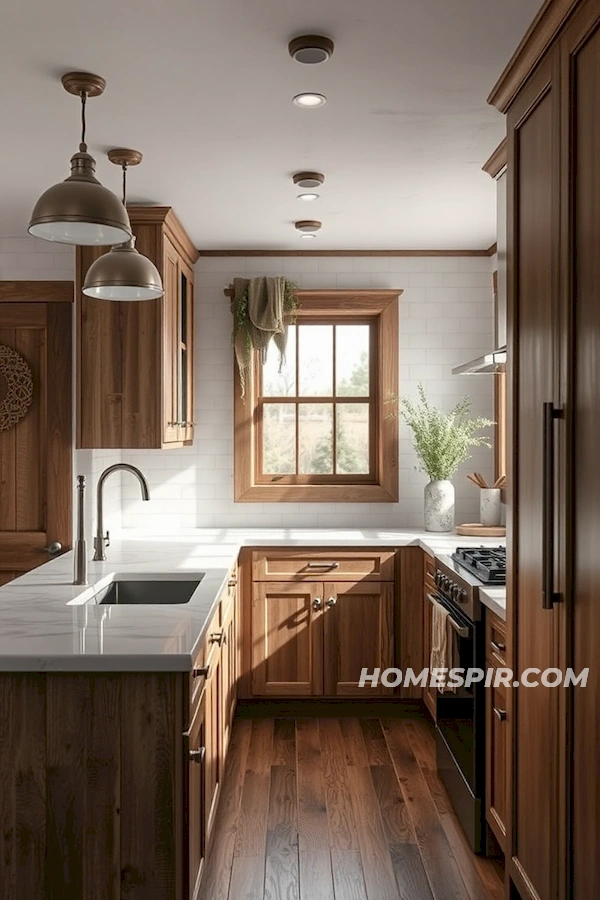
197, 756
202, 672
500, 714
498, 647
323, 565
217, 638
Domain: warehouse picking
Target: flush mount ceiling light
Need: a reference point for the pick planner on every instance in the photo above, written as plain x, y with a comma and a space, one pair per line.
308, 100
308, 179
80, 210
308, 197
308, 226
311, 49
123, 273
307, 236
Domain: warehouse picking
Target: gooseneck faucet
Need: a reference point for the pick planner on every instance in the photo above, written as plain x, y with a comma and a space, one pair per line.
102, 541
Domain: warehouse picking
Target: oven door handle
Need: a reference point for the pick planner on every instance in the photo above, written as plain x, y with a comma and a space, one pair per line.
461, 630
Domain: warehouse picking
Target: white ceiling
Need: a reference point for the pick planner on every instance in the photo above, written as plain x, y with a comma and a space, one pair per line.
204, 88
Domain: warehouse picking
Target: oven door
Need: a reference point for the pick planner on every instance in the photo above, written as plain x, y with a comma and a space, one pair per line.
456, 710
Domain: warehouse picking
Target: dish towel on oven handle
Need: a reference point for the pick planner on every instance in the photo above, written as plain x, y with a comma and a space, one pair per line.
444, 643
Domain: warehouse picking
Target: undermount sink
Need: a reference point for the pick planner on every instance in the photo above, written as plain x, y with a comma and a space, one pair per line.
145, 592
154, 589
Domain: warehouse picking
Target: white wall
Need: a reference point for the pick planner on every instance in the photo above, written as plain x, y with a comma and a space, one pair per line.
445, 319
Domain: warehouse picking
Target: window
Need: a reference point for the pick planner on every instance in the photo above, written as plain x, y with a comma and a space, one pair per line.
323, 426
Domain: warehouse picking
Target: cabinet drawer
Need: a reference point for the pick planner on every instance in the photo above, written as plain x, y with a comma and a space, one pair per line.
429, 572
202, 661
309, 565
495, 640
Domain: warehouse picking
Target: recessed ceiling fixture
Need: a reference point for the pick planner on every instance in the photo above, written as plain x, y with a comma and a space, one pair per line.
308, 226
308, 197
308, 100
311, 48
308, 179
80, 210
123, 273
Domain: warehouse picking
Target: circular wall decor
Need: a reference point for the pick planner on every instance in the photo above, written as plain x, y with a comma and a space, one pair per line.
16, 387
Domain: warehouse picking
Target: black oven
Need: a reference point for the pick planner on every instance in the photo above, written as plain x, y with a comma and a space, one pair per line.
460, 734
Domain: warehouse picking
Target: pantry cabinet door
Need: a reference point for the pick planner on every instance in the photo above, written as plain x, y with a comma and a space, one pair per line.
533, 165
287, 639
359, 630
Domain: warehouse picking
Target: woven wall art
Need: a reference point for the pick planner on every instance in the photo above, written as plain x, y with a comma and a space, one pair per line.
19, 383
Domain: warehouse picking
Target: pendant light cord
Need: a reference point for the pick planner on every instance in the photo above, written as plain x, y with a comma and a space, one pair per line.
124, 167
83, 145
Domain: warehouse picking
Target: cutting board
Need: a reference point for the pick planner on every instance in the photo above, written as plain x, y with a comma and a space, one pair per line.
473, 529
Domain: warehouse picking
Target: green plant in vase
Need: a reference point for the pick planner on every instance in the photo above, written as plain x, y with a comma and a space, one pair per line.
442, 442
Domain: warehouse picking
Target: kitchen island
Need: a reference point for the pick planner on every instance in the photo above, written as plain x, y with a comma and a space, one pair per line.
115, 720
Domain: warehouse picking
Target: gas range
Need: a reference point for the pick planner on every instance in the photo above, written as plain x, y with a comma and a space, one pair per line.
458, 577
487, 564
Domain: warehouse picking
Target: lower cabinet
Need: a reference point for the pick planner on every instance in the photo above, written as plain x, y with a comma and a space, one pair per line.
497, 733
195, 748
212, 707
313, 638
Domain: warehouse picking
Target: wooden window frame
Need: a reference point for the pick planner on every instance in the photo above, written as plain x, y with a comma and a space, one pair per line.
381, 486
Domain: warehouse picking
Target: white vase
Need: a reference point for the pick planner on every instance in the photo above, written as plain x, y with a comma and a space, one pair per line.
439, 506
489, 506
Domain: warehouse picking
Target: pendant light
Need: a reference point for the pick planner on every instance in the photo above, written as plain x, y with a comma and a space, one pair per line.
80, 210
123, 273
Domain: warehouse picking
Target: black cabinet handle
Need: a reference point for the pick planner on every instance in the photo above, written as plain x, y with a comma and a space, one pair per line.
549, 598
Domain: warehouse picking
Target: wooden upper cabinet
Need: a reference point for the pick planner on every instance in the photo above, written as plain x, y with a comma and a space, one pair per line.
135, 360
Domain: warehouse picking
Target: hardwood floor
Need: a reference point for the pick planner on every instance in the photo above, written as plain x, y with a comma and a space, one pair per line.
339, 809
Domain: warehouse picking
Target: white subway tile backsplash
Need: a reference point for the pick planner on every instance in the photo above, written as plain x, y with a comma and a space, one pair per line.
446, 314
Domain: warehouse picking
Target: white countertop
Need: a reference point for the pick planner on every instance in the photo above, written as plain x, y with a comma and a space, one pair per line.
47, 623
495, 599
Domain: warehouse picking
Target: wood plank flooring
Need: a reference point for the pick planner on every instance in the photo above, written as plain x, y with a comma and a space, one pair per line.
340, 809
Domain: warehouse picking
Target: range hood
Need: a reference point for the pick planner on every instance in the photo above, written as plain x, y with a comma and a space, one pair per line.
491, 363
494, 362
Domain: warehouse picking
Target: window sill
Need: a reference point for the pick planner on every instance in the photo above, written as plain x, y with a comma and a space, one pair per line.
317, 493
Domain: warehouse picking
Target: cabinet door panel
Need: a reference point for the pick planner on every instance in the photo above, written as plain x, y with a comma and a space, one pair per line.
228, 676
287, 640
582, 49
169, 348
196, 776
358, 634
213, 738
497, 740
533, 168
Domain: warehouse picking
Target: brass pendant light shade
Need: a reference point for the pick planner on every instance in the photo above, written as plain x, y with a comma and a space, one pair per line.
123, 273
80, 210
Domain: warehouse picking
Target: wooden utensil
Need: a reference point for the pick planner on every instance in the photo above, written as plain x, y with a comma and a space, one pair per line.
482, 482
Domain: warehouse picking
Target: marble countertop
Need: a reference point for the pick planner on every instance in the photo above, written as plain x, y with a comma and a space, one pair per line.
49, 624
495, 599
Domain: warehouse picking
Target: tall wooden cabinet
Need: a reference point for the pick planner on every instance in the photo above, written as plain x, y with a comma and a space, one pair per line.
551, 94
135, 360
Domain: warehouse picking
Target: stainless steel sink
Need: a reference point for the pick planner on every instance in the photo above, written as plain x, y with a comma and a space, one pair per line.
155, 592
